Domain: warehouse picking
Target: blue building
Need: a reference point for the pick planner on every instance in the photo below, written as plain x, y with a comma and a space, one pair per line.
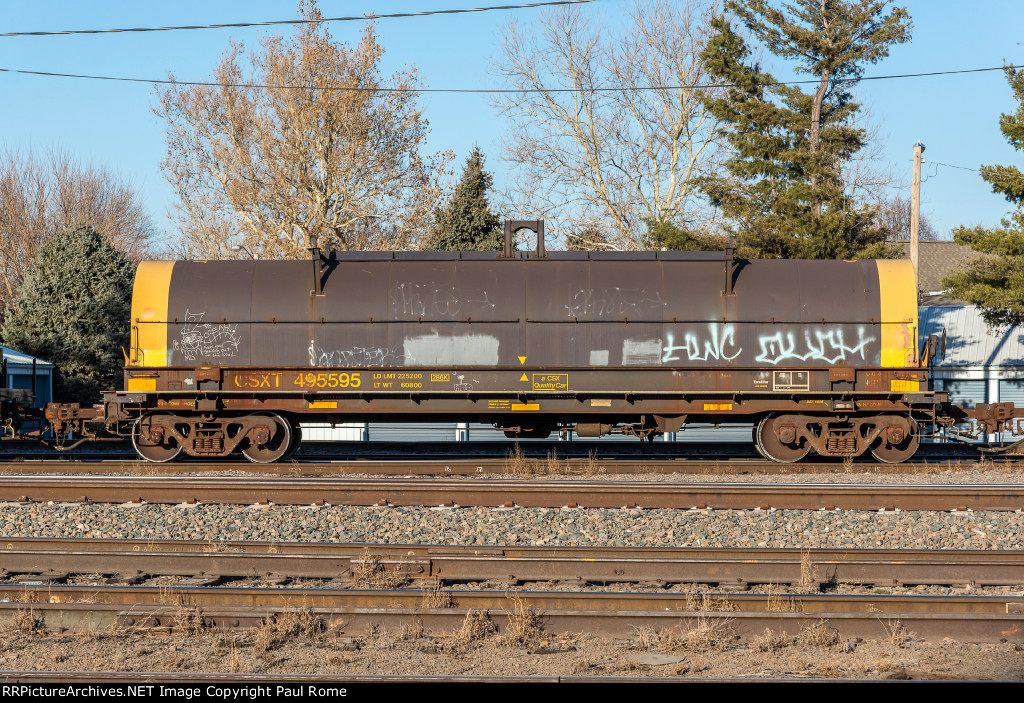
25, 372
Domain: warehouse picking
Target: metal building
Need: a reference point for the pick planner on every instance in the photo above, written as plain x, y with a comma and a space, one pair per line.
980, 365
25, 372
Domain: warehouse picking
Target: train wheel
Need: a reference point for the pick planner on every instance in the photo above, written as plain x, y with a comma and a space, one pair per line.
296, 441
265, 447
771, 447
151, 440
890, 453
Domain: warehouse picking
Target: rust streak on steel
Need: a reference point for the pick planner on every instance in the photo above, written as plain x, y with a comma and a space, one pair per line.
972, 619
523, 493
726, 567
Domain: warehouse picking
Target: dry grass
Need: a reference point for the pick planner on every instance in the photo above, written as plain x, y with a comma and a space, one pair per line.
770, 641
524, 626
26, 621
475, 628
369, 571
551, 466
782, 603
819, 634
591, 466
301, 623
435, 597
707, 602
896, 633
808, 573
706, 634
190, 620
411, 631
518, 464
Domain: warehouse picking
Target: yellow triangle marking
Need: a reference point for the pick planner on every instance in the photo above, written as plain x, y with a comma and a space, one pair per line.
524, 378
522, 360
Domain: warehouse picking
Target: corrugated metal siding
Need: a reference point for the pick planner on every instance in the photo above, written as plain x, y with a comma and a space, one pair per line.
969, 342
965, 392
323, 432
1012, 392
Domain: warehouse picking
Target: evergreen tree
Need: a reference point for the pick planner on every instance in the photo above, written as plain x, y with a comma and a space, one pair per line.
466, 223
74, 310
665, 236
785, 193
995, 283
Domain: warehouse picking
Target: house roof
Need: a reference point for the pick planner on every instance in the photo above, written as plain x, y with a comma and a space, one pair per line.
936, 260
13, 356
969, 341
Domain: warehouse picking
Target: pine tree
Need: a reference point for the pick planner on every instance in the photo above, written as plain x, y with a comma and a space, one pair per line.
995, 283
466, 223
785, 193
74, 311
666, 236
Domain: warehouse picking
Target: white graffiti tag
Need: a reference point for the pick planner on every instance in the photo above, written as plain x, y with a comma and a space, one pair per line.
356, 356
828, 346
206, 339
719, 343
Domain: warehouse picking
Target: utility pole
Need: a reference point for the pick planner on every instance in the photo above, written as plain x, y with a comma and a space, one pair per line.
915, 207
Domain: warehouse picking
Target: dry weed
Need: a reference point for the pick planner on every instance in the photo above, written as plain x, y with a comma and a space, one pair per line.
781, 603
190, 620
631, 666
523, 624
26, 621
517, 462
476, 627
808, 572
412, 631
707, 602
707, 635
591, 466
289, 624
435, 597
819, 634
772, 642
646, 639
369, 571
895, 633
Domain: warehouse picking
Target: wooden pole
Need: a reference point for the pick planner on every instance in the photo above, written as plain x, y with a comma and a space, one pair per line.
915, 208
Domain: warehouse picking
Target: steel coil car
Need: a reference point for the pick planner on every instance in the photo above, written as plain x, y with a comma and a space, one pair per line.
228, 356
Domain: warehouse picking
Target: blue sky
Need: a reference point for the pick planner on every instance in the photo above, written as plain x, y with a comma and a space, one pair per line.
112, 124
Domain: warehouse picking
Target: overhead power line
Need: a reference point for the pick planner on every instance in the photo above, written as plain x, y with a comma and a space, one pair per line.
171, 81
358, 18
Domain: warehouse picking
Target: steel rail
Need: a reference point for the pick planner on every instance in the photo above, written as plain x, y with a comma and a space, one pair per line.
738, 568
354, 612
483, 466
656, 456
246, 490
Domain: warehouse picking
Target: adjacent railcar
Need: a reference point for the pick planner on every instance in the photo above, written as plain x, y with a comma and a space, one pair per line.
228, 356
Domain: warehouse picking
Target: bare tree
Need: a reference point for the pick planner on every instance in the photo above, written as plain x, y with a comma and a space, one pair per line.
310, 142
40, 196
894, 215
609, 128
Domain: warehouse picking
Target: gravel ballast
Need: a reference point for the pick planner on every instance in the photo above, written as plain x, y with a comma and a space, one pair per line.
522, 526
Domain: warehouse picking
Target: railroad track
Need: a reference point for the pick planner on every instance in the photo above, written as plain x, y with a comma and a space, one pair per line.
483, 466
347, 612
627, 456
54, 560
245, 490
